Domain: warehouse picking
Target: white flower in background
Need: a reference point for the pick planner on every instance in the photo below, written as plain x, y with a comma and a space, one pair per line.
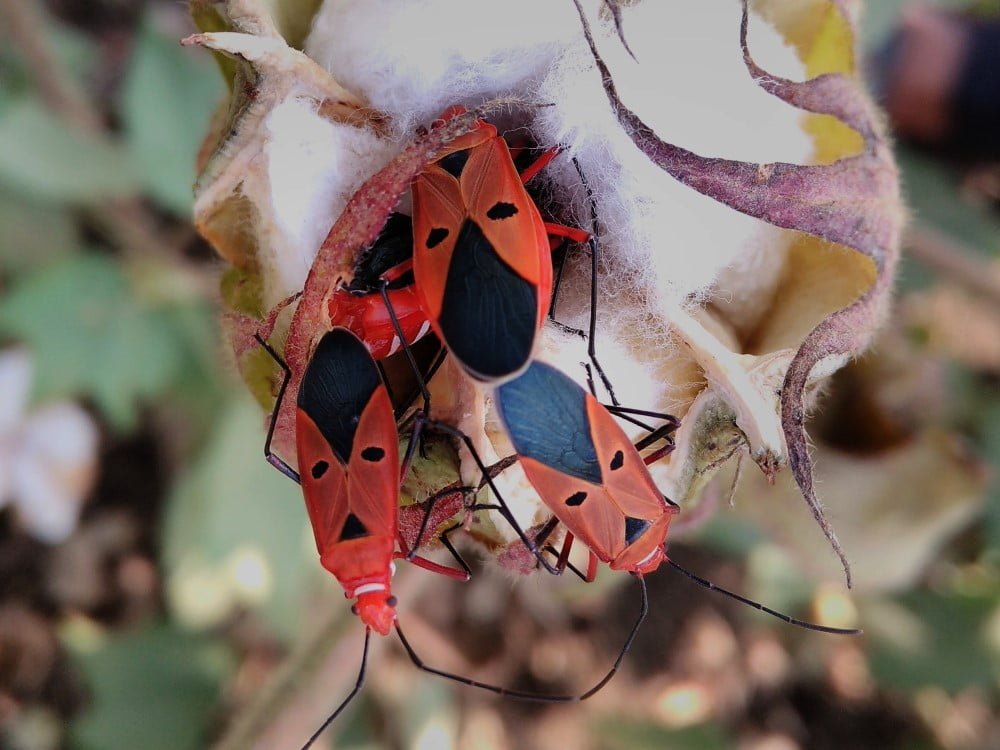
48, 457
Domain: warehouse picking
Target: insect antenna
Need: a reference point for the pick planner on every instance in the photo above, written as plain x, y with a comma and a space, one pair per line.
757, 605
529, 696
350, 696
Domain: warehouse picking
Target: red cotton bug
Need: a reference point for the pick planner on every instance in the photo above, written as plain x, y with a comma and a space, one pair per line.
593, 479
361, 305
349, 470
482, 256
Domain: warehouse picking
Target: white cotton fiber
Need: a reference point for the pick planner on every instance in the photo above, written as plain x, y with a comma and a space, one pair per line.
415, 58
314, 166
412, 59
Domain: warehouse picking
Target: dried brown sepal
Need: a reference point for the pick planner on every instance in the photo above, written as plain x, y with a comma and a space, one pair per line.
853, 202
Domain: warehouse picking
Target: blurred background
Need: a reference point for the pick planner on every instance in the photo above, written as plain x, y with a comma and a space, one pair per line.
158, 583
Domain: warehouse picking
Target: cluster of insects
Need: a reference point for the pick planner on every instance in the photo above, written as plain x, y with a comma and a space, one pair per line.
474, 266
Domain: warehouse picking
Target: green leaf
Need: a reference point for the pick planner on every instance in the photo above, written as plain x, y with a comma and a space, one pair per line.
33, 233
234, 502
91, 336
168, 100
621, 735
46, 158
948, 650
155, 689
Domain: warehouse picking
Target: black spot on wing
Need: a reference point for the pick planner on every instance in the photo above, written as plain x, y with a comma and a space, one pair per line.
353, 529
634, 528
454, 163
488, 312
576, 499
435, 237
501, 210
319, 469
617, 461
546, 416
338, 384
373, 453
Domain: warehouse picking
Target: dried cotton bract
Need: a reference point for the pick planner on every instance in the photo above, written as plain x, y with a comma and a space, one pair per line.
700, 305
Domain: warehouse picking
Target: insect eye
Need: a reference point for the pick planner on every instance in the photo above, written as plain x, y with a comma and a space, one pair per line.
391, 601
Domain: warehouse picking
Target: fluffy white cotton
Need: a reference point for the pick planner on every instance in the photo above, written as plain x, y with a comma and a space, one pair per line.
414, 59
314, 166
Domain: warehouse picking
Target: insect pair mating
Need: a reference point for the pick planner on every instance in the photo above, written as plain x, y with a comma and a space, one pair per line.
482, 281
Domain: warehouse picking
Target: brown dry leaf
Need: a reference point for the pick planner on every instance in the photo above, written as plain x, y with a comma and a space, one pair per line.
853, 201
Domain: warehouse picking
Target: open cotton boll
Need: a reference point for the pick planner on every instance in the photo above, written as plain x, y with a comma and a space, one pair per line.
691, 86
413, 58
314, 166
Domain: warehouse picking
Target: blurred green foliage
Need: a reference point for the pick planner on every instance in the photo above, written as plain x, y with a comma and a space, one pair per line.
153, 689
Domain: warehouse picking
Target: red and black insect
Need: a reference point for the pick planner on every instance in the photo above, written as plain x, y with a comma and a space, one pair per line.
593, 479
350, 472
482, 254
383, 279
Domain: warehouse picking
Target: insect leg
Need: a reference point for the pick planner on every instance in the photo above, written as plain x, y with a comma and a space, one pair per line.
357, 688
503, 507
384, 291
273, 459
594, 261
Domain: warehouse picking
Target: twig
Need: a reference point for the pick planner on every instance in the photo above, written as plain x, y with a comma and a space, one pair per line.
955, 261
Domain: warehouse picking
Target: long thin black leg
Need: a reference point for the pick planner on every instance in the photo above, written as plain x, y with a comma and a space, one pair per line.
757, 605
421, 383
504, 509
621, 410
594, 262
456, 555
430, 503
273, 459
431, 372
564, 253
569, 566
643, 611
357, 688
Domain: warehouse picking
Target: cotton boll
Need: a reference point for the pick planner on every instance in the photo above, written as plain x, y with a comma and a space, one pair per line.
414, 58
692, 88
314, 167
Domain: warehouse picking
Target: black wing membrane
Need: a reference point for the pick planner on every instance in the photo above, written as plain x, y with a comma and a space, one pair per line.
488, 312
337, 385
546, 417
